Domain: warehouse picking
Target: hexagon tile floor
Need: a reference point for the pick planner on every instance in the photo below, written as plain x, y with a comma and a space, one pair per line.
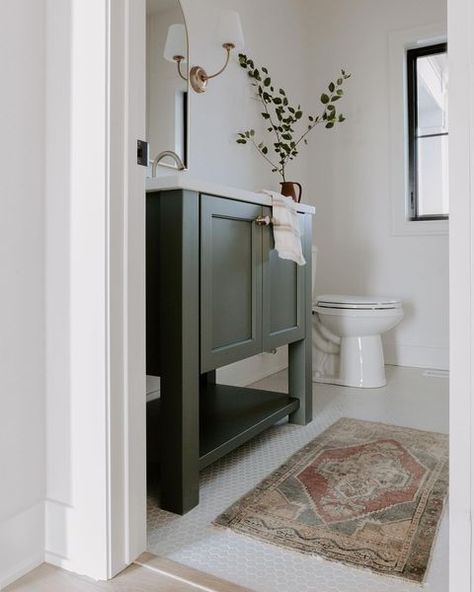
411, 399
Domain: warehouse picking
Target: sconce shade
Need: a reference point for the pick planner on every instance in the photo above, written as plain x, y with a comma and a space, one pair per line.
230, 29
176, 43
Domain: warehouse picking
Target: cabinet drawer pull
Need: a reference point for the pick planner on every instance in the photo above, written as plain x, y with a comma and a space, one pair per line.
263, 221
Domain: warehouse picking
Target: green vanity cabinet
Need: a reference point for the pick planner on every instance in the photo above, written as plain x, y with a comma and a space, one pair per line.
218, 293
251, 300
231, 281
284, 289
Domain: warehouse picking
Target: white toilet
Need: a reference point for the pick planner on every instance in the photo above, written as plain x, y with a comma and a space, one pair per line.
347, 344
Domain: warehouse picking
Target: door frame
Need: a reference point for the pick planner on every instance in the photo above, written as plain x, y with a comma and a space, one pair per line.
124, 487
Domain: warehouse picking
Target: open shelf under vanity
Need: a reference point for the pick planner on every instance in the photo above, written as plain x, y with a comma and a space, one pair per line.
229, 416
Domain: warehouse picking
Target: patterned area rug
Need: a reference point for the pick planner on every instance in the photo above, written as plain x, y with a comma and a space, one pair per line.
366, 494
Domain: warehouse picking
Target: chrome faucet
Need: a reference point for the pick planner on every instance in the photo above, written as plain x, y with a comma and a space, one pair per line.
179, 163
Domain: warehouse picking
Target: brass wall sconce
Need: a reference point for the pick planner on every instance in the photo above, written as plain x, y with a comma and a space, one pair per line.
230, 35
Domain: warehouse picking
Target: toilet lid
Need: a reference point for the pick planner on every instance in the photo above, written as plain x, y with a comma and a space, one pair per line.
357, 302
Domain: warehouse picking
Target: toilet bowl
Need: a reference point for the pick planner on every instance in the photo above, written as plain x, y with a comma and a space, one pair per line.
347, 342
358, 323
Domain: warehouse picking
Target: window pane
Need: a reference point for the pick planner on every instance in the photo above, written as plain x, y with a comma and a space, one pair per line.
432, 83
433, 193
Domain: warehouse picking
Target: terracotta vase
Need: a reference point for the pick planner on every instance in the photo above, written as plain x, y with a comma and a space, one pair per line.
289, 189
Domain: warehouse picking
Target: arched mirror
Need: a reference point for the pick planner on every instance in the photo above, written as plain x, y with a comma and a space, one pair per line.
167, 87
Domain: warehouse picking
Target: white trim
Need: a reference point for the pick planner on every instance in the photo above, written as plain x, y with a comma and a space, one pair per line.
22, 542
461, 72
254, 369
416, 356
79, 535
399, 42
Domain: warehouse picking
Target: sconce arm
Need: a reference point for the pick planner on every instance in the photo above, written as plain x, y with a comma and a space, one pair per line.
178, 60
228, 47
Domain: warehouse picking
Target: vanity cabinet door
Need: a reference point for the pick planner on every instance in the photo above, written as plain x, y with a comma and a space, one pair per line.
231, 281
283, 294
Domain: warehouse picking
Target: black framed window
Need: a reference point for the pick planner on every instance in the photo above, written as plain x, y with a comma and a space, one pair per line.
427, 71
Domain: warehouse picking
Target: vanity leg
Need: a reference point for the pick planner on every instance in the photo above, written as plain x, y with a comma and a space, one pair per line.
179, 346
300, 380
300, 371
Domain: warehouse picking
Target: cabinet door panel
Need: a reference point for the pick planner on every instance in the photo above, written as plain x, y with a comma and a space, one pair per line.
284, 295
231, 281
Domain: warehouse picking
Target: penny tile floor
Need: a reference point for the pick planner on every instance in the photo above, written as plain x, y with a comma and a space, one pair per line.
410, 399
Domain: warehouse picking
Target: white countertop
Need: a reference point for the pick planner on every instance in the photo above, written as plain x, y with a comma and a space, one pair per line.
182, 181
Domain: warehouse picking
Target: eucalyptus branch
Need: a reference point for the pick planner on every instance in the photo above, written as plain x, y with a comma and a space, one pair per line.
275, 129
283, 117
274, 166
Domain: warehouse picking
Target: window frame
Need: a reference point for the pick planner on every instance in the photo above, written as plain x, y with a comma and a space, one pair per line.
412, 104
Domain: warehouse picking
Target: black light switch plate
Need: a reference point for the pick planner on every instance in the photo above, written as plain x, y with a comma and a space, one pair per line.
142, 153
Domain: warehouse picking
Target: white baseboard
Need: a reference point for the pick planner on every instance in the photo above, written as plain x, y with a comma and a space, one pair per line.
57, 520
22, 543
416, 356
253, 369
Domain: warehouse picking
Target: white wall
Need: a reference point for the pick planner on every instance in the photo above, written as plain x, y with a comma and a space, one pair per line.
349, 176
22, 408
270, 29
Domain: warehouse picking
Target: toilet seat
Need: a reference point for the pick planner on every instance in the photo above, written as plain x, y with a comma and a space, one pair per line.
344, 302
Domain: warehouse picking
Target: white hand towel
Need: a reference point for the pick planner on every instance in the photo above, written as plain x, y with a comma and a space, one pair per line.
286, 229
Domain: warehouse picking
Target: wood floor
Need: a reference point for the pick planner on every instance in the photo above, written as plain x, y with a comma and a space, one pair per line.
148, 574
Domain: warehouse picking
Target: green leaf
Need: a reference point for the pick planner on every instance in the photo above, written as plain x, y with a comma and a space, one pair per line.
267, 82
252, 133
264, 70
336, 98
331, 87
282, 92
241, 141
265, 150
299, 114
324, 99
340, 92
277, 101
266, 115
339, 81
329, 125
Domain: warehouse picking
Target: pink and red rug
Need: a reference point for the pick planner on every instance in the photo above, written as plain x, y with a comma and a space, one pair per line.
365, 494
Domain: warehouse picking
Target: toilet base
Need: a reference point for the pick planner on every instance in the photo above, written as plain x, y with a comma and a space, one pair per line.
361, 364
